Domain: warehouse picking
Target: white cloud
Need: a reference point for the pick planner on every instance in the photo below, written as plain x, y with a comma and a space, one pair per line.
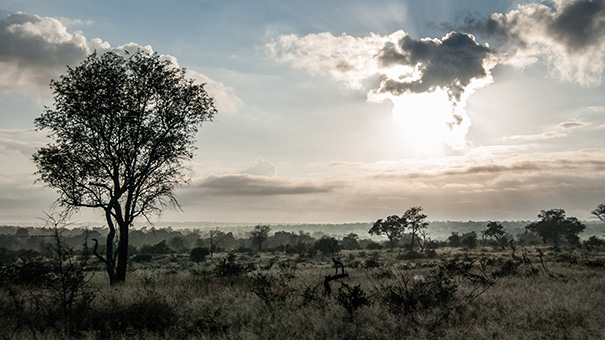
346, 58
261, 168
560, 131
454, 66
34, 50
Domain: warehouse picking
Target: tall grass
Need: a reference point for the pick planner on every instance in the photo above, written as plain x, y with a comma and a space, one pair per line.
282, 298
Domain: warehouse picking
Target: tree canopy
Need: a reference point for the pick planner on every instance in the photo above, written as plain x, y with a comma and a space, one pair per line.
599, 212
414, 221
259, 235
393, 227
123, 129
554, 226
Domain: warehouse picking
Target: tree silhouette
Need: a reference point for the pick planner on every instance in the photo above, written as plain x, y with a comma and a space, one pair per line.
414, 221
260, 234
554, 226
495, 230
392, 227
123, 128
600, 212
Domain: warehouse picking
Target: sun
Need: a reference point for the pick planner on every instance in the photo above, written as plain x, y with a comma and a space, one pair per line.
425, 121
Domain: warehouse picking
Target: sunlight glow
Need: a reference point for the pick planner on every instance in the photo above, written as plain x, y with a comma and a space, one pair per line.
424, 120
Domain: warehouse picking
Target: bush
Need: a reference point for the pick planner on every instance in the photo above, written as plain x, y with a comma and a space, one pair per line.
351, 298
142, 258
198, 254
231, 268
412, 296
373, 246
594, 243
149, 311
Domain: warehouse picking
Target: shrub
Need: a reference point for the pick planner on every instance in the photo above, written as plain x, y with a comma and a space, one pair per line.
351, 298
149, 311
198, 254
231, 268
373, 246
412, 296
142, 258
594, 243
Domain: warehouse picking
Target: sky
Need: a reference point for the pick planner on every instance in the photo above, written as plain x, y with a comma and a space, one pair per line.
340, 111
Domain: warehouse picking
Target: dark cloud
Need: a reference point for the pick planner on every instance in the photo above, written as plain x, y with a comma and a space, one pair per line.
578, 24
575, 25
451, 63
247, 185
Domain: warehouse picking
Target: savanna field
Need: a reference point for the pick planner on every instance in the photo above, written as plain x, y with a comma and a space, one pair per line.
316, 289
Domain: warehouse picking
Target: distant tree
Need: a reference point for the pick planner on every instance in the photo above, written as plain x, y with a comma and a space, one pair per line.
600, 212
327, 245
178, 243
350, 241
160, 248
494, 230
22, 232
123, 129
198, 254
554, 226
469, 240
259, 235
393, 227
414, 222
454, 239
215, 237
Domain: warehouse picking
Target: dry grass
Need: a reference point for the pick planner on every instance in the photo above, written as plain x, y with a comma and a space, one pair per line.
175, 299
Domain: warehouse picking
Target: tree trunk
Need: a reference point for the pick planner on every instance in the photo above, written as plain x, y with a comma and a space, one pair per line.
122, 253
413, 239
109, 257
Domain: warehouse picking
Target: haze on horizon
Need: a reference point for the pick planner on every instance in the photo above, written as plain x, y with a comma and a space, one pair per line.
342, 111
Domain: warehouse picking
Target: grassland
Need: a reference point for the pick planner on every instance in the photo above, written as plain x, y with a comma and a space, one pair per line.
386, 294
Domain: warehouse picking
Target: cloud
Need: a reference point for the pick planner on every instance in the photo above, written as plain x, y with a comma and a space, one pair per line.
20, 141
344, 57
261, 168
560, 131
569, 35
453, 66
250, 185
477, 185
451, 63
35, 49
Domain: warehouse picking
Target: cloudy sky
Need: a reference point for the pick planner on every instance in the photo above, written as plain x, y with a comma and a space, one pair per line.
341, 111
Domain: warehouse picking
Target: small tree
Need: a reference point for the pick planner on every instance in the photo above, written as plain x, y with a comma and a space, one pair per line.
454, 239
554, 226
260, 235
600, 212
350, 241
494, 230
469, 240
215, 237
123, 130
414, 221
392, 227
